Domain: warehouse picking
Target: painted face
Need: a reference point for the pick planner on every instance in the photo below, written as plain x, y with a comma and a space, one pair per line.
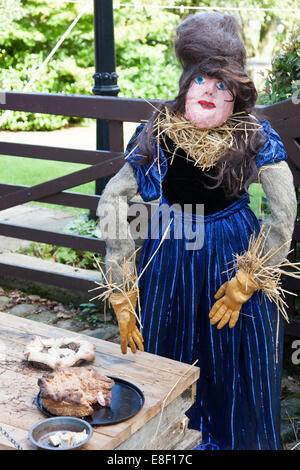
208, 102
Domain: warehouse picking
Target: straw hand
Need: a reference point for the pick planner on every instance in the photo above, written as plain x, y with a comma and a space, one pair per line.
123, 306
232, 295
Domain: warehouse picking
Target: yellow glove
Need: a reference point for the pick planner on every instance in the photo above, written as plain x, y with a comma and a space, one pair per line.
124, 306
235, 293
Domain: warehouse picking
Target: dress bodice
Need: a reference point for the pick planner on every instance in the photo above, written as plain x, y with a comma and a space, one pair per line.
184, 183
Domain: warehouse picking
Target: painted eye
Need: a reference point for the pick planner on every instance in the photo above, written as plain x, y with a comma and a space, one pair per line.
221, 86
200, 80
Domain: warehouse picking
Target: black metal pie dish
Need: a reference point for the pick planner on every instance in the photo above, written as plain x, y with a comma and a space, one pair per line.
127, 400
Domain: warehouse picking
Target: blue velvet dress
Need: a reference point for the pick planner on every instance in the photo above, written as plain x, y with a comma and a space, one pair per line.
237, 404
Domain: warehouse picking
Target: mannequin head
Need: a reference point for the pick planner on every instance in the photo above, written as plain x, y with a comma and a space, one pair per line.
213, 57
208, 102
214, 85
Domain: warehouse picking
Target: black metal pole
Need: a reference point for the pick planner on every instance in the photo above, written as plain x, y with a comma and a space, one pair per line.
105, 76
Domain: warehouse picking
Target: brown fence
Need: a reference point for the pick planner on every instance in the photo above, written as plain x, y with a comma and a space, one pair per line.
284, 117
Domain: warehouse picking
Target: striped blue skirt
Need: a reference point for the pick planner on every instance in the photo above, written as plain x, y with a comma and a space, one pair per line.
237, 404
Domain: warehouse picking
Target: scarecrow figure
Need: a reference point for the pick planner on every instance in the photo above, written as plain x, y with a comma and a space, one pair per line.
205, 148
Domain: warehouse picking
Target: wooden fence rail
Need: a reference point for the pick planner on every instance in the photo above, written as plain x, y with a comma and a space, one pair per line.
284, 117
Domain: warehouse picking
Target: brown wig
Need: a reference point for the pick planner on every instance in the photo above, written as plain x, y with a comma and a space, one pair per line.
209, 44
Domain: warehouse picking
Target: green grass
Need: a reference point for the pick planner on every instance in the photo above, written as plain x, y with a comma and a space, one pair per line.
256, 194
29, 171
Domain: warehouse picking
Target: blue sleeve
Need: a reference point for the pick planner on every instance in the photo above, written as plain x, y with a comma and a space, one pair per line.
149, 176
273, 150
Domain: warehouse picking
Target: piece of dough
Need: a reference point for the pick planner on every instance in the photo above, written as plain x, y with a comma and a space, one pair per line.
53, 353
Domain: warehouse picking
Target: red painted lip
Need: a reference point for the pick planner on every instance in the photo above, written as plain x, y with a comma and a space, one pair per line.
207, 104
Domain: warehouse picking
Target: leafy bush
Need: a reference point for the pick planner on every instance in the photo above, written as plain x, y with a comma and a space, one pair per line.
147, 65
10, 10
63, 77
40, 28
61, 254
24, 48
284, 78
83, 226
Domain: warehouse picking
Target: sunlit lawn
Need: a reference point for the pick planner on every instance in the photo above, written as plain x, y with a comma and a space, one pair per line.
29, 171
256, 195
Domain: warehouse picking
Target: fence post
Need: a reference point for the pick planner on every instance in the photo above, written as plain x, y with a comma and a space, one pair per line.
105, 76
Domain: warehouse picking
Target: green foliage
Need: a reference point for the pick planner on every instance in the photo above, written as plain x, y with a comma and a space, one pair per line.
283, 82
63, 77
147, 65
10, 10
40, 28
83, 226
283, 79
89, 315
64, 255
24, 48
88, 308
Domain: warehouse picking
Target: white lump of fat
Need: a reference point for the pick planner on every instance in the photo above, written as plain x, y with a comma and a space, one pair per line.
67, 438
100, 399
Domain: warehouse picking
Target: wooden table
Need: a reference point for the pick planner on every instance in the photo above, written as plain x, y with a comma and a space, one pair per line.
169, 388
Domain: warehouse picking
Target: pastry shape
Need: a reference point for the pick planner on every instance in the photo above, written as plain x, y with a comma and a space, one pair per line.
72, 391
54, 353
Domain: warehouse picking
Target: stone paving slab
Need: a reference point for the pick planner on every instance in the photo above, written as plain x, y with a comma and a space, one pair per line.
37, 217
22, 310
43, 316
4, 300
69, 325
103, 332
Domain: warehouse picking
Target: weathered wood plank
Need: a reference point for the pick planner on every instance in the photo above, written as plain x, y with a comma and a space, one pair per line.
153, 436
59, 154
28, 327
171, 436
155, 376
97, 442
96, 107
18, 409
19, 435
149, 381
144, 377
77, 242
66, 281
191, 440
64, 198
